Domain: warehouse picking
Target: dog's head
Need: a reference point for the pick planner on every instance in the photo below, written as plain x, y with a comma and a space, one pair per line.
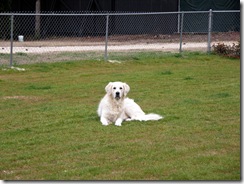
117, 90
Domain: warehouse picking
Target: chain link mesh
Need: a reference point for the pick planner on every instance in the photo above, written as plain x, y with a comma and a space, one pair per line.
143, 32
49, 37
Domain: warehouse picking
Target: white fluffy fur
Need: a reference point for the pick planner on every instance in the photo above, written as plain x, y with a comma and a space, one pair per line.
115, 107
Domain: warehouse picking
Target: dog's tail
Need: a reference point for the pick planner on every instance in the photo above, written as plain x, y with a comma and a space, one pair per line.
141, 116
151, 116
145, 117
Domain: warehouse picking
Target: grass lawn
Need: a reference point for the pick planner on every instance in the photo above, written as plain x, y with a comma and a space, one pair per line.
50, 129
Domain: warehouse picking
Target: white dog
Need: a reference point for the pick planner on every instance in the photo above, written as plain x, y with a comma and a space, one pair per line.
114, 107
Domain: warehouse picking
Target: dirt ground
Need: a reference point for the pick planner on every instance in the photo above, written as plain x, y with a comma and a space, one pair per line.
122, 39
76, 48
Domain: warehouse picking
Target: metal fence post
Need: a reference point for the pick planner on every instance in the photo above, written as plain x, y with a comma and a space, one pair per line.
178, 29
11, 39
181, 30
106, 40
209, 29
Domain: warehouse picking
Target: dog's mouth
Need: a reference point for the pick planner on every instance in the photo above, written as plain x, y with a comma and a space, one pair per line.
117, 96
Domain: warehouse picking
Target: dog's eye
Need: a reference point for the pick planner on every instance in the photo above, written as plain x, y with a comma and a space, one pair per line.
120, 88
114, 87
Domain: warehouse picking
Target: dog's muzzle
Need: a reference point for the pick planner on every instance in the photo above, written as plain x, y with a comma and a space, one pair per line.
117, 95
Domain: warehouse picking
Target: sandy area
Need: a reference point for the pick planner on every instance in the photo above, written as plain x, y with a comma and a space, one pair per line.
98, 47
118, 43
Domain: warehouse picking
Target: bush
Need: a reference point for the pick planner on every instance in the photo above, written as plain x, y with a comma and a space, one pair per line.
227, 50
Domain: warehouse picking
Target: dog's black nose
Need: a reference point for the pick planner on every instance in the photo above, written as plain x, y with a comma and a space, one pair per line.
117, 94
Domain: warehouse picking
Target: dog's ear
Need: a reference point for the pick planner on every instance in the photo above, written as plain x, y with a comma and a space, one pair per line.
108, 88
127, 89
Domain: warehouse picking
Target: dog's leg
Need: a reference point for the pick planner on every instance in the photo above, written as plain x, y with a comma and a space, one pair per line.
104, 121
118, 122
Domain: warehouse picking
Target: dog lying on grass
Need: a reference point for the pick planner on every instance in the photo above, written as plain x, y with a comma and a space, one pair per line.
115, 107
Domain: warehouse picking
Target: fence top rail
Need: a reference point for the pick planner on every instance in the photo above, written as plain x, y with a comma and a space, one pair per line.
113, 13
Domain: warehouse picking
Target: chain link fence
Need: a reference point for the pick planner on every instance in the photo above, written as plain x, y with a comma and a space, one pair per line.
50, 37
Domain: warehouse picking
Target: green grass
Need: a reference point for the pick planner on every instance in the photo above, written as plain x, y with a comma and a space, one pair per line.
50, 129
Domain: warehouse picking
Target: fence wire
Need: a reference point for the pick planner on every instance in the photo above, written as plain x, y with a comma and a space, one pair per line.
50, 37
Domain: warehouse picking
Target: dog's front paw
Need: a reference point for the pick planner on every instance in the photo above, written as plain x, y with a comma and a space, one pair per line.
118, 124
104, 121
